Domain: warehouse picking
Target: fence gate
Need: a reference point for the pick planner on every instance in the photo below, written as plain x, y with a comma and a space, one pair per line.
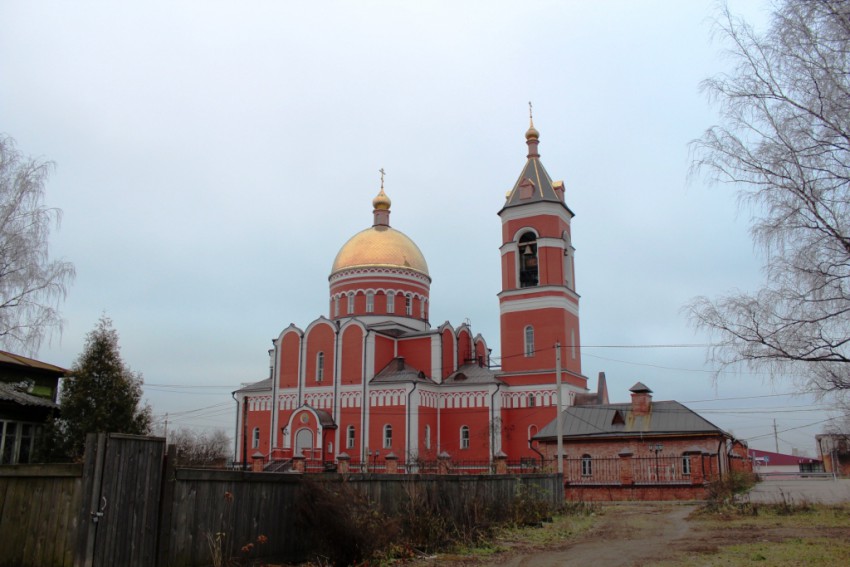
121, 496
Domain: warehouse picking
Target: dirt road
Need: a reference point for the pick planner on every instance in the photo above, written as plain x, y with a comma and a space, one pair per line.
628, 535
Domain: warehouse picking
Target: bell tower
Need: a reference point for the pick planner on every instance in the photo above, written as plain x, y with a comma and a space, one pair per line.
538, 304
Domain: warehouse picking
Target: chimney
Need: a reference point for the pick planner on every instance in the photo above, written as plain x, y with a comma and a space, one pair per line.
641, 399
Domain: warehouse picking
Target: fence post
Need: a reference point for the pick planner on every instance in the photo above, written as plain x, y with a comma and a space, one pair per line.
392, 463
501, 461
343, 463
696, 467
257, 462
627, 475
166, 505
92, 477
443, 463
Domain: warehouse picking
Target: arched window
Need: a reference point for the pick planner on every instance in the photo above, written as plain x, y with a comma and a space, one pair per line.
422, 308
388, 436
464, 437
529, 341
370, 302
336, 306
350, 302
349, 437
532, 431
686, 465
532, 400
408, 305
320, 367
586, 465
427, 436
390, 302
528, 276
255, 438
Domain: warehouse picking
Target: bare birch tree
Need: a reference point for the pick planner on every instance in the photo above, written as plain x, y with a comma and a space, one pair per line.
784, 140
31, 284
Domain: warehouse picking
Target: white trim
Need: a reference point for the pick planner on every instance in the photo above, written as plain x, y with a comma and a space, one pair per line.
532, 303
437, 358
542, 208
372, 273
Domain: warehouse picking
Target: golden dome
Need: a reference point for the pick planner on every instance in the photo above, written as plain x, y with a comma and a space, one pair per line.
532, 133
381, 202
379, 246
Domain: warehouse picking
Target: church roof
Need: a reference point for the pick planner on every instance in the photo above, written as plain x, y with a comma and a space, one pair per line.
380, 245
618, 420
399, 371
535, 177
472, 374
257, 386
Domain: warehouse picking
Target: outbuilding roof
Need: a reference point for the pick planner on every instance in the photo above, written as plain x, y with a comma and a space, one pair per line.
616, 420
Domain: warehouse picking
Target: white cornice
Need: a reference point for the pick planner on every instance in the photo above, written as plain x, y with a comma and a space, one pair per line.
544, 302
550, 208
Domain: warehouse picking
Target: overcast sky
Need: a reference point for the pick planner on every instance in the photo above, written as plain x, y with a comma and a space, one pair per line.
212, 158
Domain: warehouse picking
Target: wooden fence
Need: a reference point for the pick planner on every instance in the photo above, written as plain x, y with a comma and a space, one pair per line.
128, 505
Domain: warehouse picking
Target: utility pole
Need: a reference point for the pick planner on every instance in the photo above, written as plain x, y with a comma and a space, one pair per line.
559, 418
775, 436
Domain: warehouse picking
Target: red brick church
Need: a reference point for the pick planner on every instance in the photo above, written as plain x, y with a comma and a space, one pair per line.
373, 379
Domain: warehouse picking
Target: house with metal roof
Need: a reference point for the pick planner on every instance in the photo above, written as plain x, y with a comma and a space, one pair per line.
640, 450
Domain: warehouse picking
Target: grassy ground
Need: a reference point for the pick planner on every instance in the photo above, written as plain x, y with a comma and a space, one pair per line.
776, 535
781, 535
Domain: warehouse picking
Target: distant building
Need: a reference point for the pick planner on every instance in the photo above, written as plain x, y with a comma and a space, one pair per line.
29, 392
767, 462
834, 451
374, 380
643, 450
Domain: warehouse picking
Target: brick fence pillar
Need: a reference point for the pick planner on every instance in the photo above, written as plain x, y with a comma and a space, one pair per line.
343, 463
257, 462
500, 460
392, 463
444, 461
696, 468
627, 474
299, 463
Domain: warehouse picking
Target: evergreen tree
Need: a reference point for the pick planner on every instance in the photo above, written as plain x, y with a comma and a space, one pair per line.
102, 395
